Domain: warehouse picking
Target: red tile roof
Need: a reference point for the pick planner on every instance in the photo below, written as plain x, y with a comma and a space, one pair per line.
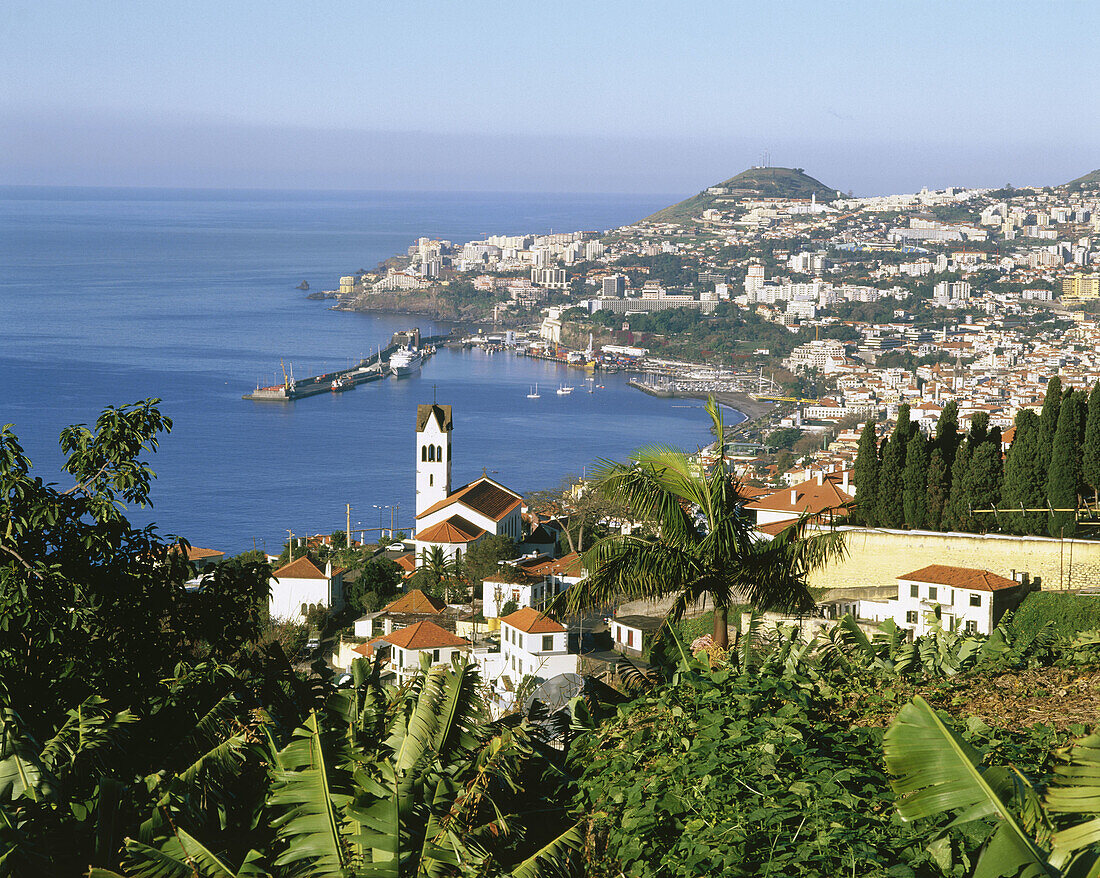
194, 553
299, 568
415, 601
424, 635
532, 621
455, 529
808, 497
972, 578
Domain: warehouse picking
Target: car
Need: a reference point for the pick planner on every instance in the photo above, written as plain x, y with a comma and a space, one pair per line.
395, 547
312, 644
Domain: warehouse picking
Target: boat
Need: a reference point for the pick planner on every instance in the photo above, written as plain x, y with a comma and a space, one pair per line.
564, 390
534, 394
405, 361
342, 383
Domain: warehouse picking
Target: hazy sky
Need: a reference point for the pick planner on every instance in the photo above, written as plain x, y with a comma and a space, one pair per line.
550, 96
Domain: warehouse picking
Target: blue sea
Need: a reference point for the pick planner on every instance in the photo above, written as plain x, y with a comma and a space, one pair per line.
109, 296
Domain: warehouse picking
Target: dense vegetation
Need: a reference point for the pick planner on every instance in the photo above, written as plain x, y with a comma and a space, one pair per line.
965, 483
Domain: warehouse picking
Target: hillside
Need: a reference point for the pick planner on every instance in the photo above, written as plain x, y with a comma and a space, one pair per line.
1091, 179
753, 183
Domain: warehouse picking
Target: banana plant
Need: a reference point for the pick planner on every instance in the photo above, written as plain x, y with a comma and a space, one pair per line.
936, 772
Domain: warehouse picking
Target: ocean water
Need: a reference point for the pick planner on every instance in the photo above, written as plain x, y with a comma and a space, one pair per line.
112, 296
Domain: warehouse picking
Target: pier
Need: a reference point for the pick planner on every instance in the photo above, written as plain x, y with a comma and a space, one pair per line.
372, 368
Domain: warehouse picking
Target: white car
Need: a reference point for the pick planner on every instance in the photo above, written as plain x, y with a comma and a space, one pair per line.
395, 547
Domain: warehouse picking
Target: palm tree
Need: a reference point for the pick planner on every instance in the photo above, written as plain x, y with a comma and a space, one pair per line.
444, 573
704, 546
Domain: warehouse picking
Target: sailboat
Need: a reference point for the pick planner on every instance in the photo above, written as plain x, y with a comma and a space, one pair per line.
564, 390
534, 394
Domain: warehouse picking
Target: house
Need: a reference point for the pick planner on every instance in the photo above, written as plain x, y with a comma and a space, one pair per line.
535, 582
201, 558
413, 606
532, 644
631, 634
300, 586
404, 648
822, 497
969, 598
455, 520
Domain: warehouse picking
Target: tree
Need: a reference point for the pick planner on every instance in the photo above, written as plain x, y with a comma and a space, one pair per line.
982, 482
939, 490
1048, 419
866, 474
915, 479
1024, 484
957, 516
484, 557
1064, 475
1090, 462
715, 557
378, 579
891, 484
947, 438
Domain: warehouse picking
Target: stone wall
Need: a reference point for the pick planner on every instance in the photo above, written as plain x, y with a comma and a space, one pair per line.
878, 557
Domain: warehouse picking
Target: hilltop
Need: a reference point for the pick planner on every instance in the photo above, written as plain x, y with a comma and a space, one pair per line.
1090, 179
753, 183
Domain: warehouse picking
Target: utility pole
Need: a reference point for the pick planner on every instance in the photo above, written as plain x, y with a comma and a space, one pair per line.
347, 532
289, 545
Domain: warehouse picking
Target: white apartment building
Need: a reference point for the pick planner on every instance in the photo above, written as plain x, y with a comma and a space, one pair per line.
822, 354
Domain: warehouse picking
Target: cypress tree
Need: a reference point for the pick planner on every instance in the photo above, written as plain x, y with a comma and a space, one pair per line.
915, 479
1064, 474
957, 516
947, 438
866, 476
938, 487
982, 482
979, 429
1025, 478
1048, 419
891, 484
1090, 451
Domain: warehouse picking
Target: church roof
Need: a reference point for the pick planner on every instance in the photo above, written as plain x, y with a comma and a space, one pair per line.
455, 529
424, 635
415, 602
485, 496
442, 413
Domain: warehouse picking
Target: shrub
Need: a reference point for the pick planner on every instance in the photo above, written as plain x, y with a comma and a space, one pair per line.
1070, 614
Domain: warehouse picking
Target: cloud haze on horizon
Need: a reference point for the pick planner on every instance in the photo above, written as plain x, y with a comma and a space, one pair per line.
573, 98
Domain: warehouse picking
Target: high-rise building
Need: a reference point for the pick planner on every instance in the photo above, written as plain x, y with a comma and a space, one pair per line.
1081, 286
613, 285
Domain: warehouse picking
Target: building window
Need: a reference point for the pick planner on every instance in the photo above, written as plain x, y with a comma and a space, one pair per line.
547, 642
439, 453
914, 591
424, 454
911, 617
435, 655
629, 636
932, 592
971, 627
431, 480
975, 600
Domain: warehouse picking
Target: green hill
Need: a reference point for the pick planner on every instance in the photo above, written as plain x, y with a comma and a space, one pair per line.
753, 183
1092, 179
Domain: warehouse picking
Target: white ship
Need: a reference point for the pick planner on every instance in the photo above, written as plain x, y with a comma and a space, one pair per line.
405, 361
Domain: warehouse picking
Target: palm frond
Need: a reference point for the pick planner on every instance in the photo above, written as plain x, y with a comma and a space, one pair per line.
310, 804
179, 856
1076, 790
554, 859
935, 771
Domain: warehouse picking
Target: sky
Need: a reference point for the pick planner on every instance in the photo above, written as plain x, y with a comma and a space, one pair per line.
642, 97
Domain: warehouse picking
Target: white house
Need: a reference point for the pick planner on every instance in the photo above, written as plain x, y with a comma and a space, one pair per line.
532, 644
454, 520
630, 633
300, 585
404, 648
543, 579
413, 606
971, 599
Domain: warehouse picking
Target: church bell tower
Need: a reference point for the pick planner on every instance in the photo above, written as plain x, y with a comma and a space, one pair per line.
433, 455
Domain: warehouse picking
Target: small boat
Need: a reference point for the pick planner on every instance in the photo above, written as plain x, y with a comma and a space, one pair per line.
342, 383
534, 394
564, 391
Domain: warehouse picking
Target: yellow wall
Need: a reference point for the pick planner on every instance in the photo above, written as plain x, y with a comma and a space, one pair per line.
878, 557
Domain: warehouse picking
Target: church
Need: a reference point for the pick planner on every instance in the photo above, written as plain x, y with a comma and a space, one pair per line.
454, 520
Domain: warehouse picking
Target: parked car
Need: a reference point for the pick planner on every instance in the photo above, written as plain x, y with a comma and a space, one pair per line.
395, 547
